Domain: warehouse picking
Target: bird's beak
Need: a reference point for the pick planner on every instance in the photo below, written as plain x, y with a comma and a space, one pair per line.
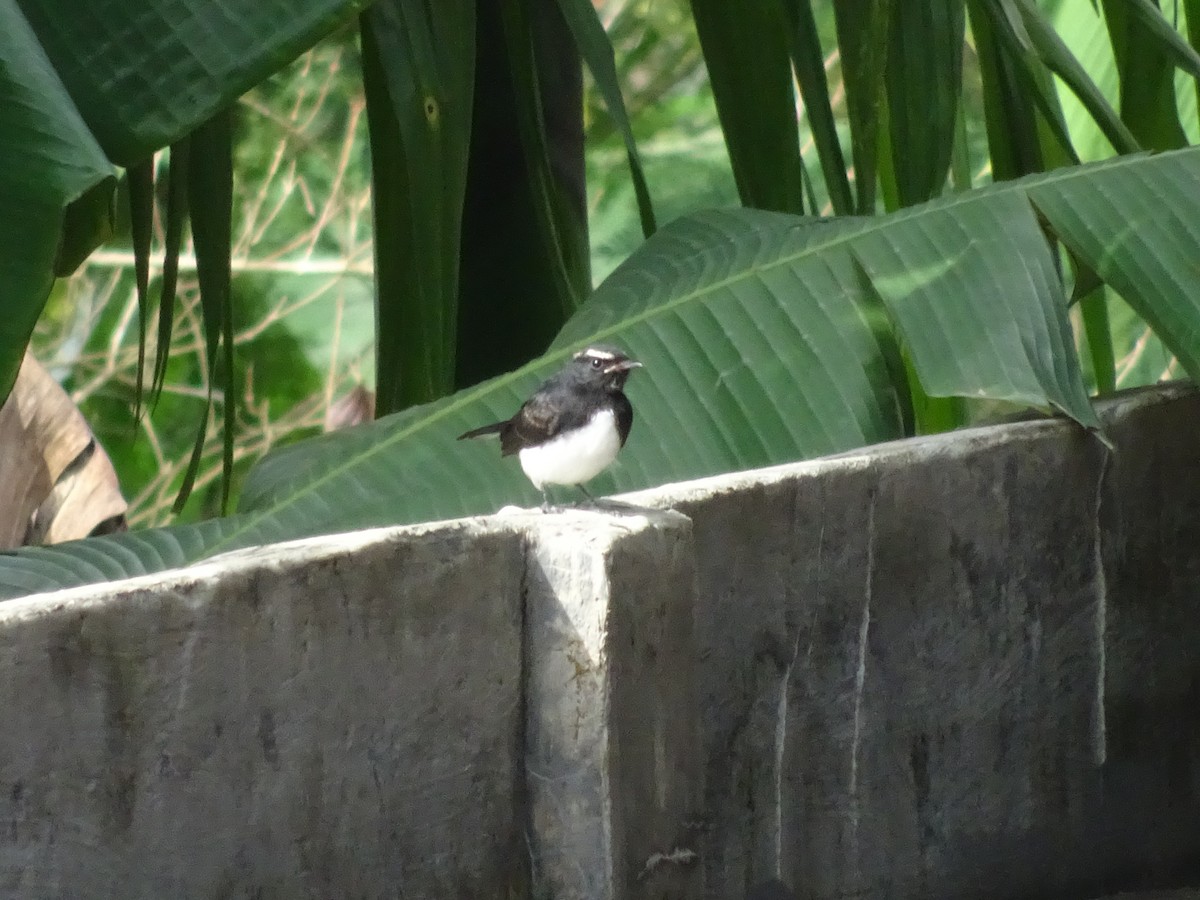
624, 365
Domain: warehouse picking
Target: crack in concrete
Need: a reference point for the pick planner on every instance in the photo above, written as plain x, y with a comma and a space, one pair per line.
860, 676
780, 743
781, 715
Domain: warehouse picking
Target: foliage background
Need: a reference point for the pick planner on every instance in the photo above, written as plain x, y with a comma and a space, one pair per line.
303, 258
302, 281
303, 254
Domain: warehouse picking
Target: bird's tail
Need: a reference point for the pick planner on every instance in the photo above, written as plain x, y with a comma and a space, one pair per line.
494, 428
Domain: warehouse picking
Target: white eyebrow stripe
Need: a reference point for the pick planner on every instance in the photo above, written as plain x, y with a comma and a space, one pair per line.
593, 353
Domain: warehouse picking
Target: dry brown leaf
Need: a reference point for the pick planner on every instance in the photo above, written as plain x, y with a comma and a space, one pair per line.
354, 408
56, 482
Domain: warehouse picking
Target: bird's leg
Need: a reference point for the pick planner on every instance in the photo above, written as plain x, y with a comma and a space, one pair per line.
586, 493
545, 500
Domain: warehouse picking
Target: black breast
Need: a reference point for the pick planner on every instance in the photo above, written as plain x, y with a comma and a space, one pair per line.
624, 411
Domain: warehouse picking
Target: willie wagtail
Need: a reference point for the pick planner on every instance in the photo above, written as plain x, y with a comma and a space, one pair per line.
574, 424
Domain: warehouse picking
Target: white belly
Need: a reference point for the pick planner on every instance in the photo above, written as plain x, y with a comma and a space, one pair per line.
575, 457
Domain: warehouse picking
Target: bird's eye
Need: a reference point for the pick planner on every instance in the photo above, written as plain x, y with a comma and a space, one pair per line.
597, 363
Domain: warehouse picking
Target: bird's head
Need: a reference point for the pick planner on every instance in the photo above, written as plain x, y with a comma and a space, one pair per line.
604, 365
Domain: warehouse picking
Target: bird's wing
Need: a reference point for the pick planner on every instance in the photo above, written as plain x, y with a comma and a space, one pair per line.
539, 419
494, 428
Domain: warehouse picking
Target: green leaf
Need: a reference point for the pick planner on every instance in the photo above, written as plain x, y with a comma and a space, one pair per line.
525, 256
145, 74
746, 51
110, 558
1097, 333
1030, 93
597, 51
56, 187
1006, 337
863, 29
141, 225
761, 346
1151, 17
1054, 53
418, 71
809, 63
1013, 141
1143, 44
540, 69
961, 173
1139, 234
924, 79
176, 220
87, 222
210, 200
1192, 16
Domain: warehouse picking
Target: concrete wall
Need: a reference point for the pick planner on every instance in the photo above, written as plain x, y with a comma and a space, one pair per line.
299, 722
950, 667
429, 712
961, 666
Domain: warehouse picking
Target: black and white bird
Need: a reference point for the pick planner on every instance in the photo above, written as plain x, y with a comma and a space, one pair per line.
574, 425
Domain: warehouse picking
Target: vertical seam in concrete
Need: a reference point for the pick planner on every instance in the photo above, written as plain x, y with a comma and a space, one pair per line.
1099, 716
860, 675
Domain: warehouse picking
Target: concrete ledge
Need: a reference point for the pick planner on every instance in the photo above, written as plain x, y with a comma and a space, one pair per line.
962, 666
312, 720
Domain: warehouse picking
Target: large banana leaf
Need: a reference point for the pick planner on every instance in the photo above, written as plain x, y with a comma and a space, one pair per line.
763, 340
145, 74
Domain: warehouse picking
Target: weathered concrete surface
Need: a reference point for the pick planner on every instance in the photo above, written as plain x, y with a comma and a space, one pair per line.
966, 666
307, 721
1149, 818
957, 667
612, 751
